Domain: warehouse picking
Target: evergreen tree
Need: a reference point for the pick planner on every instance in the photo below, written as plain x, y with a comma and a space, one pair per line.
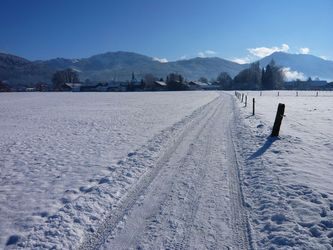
272, 77
224, 80
176, 82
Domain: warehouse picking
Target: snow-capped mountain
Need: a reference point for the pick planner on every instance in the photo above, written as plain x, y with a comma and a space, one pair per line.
120, 65
111, 65
308, 65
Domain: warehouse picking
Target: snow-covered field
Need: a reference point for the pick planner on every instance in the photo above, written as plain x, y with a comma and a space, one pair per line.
288, 181
55, 147
176, 170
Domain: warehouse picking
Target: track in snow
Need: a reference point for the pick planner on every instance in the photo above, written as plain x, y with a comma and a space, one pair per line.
190, 199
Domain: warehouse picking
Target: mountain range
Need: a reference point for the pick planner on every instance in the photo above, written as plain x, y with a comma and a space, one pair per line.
120, 65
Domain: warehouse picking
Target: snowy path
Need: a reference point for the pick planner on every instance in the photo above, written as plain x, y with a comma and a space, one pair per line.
190, 199
61, 149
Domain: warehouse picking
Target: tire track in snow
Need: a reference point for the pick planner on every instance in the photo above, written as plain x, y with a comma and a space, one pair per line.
197, 202
106, 228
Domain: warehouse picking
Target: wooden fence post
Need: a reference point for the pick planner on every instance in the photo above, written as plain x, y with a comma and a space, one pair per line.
246, 101
317, 93
242, 97
254, 104
260, 93
278, 120
296, 93
278, 93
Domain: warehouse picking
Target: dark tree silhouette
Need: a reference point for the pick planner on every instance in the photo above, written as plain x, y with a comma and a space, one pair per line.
203, 79
175, 82
272, 77
224, 80
64, 76
249, 78
4, 87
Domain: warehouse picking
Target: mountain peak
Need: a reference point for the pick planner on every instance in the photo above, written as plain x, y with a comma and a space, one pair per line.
308, 65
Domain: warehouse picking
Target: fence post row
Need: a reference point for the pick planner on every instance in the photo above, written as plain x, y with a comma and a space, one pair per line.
278, 120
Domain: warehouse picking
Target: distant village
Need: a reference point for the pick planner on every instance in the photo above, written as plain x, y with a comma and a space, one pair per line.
149, 83
253, 78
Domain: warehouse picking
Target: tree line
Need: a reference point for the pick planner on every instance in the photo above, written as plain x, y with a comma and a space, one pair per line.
253, 78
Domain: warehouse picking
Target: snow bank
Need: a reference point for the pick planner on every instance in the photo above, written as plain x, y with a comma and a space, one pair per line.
62, 153
288, 180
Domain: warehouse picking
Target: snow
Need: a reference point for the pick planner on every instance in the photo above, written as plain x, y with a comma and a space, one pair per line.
165, 170
287, 181
58, 147
193, 200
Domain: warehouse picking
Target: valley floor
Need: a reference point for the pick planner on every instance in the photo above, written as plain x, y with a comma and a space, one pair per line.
173, 170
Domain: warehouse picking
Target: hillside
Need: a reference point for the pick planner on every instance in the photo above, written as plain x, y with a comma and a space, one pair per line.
111, 65
309, 65
120, 65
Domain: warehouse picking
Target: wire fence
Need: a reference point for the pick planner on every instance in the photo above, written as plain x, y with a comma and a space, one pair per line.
282, 93
266, 101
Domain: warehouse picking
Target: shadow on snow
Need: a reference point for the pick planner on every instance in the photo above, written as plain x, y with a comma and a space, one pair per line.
270, 140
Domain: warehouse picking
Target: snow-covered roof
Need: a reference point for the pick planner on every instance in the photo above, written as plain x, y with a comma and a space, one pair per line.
73, 85
161, 83
198, 83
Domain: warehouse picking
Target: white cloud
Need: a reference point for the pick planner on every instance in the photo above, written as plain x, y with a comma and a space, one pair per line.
291, 75
183, 57
210, 52
242, 60
265, 51
304, 50
161, 60
206, 53
201, 54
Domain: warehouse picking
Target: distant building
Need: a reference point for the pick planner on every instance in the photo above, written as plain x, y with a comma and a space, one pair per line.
42, 87
75, 87
134, 84
98, 87
157, 86
197, 85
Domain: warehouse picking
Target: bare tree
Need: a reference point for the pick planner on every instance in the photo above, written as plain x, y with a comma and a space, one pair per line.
64, 76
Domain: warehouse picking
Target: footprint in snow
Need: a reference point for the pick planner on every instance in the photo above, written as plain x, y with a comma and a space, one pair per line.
12, 240
104, 180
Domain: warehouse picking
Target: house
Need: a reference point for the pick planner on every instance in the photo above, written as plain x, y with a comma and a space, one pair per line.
196, 85
42, 87
157, 86
75, 87
87, 87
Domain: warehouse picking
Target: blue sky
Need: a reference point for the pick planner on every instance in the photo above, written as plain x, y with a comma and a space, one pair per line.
168, 30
